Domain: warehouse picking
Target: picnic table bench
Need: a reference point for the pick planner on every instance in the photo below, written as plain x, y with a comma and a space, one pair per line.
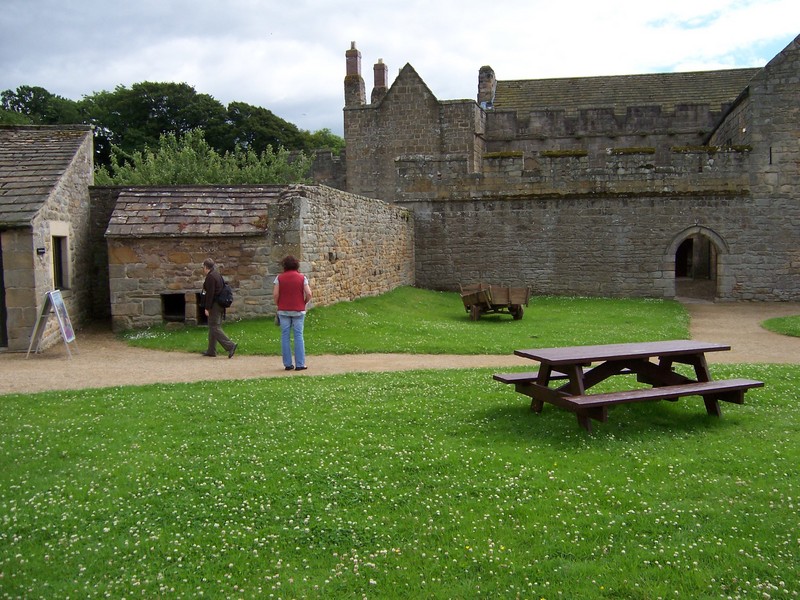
574, 365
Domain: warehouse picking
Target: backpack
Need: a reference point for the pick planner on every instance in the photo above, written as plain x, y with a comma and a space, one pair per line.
225, 297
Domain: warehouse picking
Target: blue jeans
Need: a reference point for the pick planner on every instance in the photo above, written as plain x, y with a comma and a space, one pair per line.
291, 325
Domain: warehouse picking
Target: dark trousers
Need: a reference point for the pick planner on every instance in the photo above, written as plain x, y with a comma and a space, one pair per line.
215, 333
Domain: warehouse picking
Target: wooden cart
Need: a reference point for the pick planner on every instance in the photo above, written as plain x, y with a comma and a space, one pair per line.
480, 299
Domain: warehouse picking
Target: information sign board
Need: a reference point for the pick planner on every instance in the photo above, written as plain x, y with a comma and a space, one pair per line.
53, 302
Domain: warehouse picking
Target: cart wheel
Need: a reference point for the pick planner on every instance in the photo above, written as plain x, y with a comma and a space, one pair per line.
475, 312
517, 311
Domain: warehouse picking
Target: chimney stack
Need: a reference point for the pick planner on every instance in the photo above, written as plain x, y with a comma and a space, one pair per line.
381, 72
487, 84
354, 90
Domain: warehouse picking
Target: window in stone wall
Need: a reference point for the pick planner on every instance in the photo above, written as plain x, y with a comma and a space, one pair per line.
60, 262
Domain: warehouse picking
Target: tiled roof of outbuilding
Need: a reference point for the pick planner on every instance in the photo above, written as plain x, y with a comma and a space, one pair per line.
32, 160
715, 88
197, 211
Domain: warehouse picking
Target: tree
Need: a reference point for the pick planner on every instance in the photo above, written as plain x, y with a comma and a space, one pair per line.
8, 117
255, 128
325, 139
189, 159
40, 106
133, 119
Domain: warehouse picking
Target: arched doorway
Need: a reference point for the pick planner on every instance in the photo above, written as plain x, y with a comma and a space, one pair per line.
696, 269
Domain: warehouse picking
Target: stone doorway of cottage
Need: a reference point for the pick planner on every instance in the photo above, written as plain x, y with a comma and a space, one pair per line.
3, 313
696, 267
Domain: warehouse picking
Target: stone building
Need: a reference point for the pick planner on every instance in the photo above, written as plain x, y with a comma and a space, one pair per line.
616, 186
349, 247
45, 222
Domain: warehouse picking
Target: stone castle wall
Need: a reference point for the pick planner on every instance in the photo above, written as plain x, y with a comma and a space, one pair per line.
691, 169
768, 120
409, 121
605, 245
562, 226
353, 246
596, 129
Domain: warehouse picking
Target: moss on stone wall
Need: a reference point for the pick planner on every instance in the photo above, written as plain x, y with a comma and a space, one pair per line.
633, 150
710, 149
564, 153
506, 154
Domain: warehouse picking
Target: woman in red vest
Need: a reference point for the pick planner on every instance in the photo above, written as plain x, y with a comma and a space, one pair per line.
292, 293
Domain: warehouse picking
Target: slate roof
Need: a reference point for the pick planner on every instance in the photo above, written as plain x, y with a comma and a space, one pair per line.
716, 88
32, 160
193, 211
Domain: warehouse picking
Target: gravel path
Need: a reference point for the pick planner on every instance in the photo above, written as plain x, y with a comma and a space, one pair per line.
100, 360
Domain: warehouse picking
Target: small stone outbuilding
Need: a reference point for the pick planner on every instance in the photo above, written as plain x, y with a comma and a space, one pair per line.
349, 246
45, 227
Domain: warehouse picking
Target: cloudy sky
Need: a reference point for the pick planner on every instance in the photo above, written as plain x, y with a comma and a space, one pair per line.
288, 55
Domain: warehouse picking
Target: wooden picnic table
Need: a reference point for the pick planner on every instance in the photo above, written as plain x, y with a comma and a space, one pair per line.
573, 365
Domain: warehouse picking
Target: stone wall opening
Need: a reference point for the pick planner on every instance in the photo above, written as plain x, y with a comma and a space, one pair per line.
683, 258
696, 268
173, 308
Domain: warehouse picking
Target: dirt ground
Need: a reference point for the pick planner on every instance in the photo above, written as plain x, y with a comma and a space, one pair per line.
98, 359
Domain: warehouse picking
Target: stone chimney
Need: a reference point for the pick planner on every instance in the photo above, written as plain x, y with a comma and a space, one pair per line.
381, 72
354, 90
487, 84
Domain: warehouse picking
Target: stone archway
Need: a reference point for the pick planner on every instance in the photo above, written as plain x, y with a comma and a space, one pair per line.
695, 253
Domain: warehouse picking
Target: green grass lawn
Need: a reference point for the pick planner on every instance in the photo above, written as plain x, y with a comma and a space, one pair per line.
416, 484
784, 325
396, 485
414, 321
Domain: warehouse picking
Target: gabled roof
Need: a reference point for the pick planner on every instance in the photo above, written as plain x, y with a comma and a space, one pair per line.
784, 54
718, 89
407, 76
32, 160
192, 211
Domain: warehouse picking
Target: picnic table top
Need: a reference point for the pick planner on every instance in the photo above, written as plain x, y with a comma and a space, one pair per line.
588, 354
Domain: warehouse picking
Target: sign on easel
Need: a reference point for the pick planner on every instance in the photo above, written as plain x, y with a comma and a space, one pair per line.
53, 301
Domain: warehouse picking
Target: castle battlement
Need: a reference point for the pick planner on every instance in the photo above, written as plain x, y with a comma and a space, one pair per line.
644, 121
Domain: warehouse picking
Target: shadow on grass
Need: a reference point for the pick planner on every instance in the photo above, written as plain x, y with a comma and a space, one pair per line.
631, 422
493, 319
